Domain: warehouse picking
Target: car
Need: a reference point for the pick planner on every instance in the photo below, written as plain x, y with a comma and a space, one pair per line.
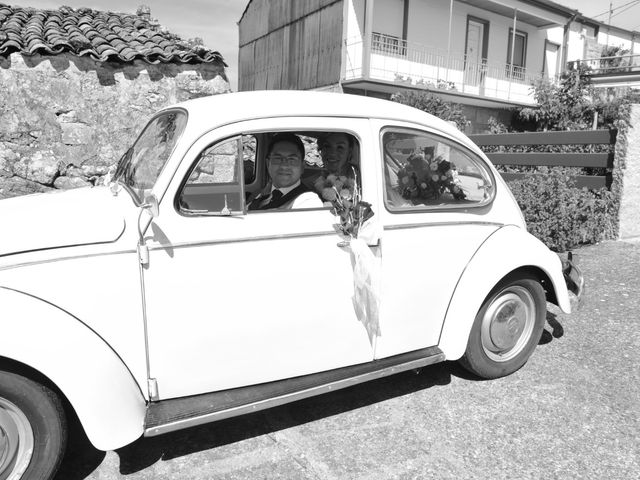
162, 300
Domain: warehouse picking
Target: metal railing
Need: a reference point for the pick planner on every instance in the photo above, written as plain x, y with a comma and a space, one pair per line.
609, 65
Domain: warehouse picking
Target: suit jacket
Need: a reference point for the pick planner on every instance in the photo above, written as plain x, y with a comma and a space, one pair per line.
288, 197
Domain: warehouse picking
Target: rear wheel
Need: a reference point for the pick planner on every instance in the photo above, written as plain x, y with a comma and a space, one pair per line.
507, 328
32, 429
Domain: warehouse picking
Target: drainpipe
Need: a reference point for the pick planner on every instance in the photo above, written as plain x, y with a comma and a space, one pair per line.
449, 40
368, 37
513, 46
564, 48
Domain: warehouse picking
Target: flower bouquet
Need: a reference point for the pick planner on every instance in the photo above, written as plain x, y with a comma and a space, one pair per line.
426, 178
346, 203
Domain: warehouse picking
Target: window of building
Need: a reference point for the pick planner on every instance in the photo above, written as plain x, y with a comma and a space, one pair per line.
519, 54
388, 44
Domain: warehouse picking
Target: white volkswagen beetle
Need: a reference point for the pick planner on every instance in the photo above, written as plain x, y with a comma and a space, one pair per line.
163, 301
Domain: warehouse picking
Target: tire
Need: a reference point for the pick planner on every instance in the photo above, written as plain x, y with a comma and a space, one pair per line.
33, 430
507, 327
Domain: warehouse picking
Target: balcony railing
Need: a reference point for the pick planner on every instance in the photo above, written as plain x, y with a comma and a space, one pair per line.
610, 65
403, 62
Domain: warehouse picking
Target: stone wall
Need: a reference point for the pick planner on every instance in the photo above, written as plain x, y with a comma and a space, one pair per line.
627, 175
64, 120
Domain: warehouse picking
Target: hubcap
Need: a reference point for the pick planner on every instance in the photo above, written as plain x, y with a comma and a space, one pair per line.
508, 323
16, 441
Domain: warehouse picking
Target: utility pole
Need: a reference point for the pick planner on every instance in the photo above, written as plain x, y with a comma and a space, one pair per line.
609, 22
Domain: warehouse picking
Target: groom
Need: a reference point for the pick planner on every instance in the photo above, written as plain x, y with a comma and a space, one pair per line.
285, 164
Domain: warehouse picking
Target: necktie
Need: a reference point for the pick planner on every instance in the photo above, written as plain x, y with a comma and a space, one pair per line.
275, 196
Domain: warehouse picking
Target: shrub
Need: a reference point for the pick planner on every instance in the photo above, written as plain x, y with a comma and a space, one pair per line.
561, 215
428, 102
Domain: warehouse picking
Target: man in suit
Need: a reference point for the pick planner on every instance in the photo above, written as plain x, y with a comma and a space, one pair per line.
285, 164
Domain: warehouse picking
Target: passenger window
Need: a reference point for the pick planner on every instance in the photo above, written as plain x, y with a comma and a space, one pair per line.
215, 185
423, 170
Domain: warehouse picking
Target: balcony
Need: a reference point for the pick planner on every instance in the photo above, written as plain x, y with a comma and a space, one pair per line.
402, 63
623, 70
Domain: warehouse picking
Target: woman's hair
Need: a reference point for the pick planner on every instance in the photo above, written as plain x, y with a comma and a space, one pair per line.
287, 137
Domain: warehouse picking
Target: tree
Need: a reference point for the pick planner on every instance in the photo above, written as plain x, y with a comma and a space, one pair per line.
566, 105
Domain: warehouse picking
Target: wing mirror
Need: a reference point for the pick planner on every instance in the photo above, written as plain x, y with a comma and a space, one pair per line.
151, 205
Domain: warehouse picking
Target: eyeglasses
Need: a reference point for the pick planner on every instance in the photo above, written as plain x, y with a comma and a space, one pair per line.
292, 160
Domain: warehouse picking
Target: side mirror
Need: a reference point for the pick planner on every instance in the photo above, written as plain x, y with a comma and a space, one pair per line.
151, 205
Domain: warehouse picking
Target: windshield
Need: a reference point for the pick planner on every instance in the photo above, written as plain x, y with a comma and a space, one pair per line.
140, 167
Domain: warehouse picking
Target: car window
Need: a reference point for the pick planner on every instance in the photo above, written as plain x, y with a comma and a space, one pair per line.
215, 185
141, 165
423, 170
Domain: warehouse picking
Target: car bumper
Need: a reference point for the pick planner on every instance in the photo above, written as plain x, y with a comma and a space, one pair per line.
574, 279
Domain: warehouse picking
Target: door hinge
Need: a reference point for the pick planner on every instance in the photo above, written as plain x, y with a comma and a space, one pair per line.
152, 384
143, 254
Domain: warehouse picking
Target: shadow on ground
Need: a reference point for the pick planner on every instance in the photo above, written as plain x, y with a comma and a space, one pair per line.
144, 452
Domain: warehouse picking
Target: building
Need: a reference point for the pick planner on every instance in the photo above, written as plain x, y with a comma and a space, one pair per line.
483, 54
77, 85
611, 53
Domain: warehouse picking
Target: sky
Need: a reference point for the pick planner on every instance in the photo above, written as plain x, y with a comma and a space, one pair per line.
215, 21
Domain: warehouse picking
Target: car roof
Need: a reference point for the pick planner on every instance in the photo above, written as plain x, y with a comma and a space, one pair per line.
216, 110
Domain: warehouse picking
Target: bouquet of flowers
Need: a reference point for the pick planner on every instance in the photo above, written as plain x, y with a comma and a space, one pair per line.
346, 203
426, 178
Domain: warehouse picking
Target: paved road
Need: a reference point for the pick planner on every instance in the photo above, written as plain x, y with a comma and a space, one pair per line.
572, 412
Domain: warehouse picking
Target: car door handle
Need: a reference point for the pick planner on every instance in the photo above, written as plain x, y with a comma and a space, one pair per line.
346, 243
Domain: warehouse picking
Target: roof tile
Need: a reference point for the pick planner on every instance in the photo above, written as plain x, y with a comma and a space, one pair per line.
100, 35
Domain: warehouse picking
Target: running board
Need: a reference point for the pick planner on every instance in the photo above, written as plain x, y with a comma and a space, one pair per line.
175, 414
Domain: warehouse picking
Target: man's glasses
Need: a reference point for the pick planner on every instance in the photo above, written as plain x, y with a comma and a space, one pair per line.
292, 160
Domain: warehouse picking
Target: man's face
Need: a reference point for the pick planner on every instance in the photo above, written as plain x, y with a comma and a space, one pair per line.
335, 152
285, 164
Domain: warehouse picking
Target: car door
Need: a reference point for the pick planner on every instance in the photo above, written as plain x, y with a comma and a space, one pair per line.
237, 298
432, 227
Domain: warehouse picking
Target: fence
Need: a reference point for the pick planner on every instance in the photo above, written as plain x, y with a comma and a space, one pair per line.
560, 159
609, 65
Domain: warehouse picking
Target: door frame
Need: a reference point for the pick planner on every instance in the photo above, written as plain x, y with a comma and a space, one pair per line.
544, 55
485, 44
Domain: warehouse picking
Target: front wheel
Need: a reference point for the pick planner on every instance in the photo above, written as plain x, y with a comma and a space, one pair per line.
32, 429
507, 328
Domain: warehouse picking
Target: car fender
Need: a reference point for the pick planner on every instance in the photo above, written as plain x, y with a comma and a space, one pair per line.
100, 388
504, 251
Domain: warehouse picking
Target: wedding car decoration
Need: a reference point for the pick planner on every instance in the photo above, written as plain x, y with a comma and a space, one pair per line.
344, 196
424, 177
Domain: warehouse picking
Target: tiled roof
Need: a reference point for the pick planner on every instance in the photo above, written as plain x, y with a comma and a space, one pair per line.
97, 34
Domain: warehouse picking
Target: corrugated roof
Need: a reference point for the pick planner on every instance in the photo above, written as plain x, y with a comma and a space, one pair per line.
97, 34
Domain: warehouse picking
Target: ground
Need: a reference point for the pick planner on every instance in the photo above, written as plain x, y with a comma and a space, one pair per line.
573, 411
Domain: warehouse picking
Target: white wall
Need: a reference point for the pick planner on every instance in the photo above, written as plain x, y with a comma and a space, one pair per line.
355, 18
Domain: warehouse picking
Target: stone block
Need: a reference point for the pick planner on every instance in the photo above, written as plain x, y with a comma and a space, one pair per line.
7, 158
94, 170
67, 183
16, 186
70, 116
42, 167
76, 134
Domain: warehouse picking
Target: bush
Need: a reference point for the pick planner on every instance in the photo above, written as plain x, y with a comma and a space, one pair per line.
428, 102
561, 215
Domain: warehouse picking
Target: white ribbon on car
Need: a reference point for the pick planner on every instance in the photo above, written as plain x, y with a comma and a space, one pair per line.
367, 281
